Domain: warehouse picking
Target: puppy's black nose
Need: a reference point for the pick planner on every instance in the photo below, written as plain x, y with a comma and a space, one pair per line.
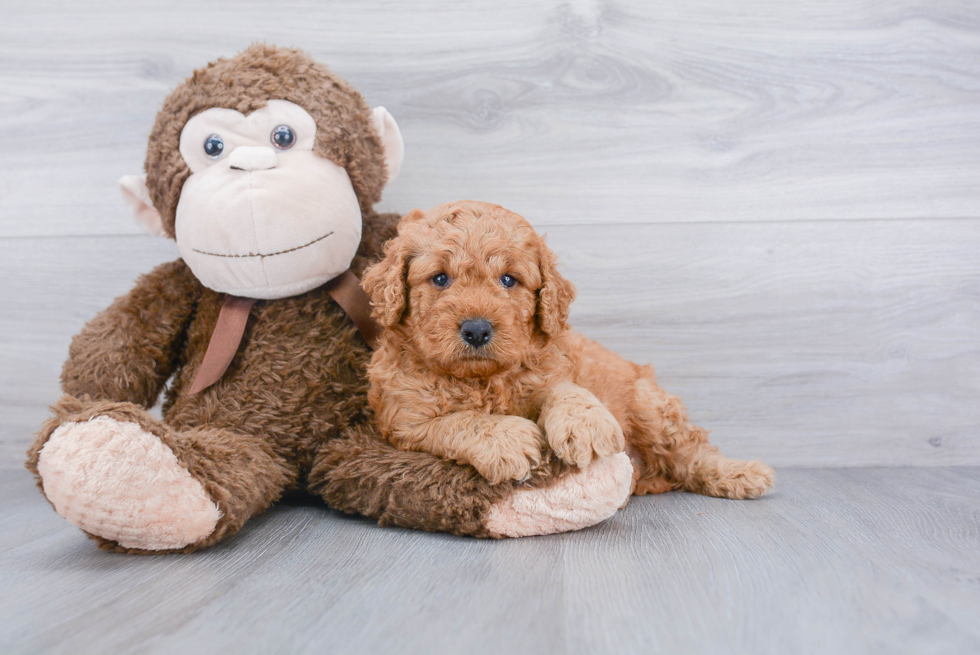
476, 331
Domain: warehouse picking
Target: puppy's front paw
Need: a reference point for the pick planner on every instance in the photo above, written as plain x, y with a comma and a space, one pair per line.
578, 430
511, 450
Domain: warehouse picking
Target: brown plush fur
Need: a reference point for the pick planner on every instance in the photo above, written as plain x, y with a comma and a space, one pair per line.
291, 411
536, 383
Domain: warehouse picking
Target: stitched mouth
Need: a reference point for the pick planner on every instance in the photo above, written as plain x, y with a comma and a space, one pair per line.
259, 254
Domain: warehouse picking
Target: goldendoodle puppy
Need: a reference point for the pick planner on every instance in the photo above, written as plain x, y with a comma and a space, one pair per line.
477, 363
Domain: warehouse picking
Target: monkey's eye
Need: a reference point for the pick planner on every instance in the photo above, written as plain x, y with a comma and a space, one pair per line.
441, 280
507, 280
283, 137
214, 145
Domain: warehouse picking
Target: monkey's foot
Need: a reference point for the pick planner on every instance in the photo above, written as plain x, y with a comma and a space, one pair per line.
580, 499
119, 482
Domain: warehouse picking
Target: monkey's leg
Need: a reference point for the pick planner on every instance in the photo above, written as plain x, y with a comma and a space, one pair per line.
136, 485
361, 474
675, 453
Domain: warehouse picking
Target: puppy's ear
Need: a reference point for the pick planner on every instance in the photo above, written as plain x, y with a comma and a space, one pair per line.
555, 295
386, 284
413, 216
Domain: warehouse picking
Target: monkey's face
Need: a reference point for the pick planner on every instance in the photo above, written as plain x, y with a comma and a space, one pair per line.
262, 215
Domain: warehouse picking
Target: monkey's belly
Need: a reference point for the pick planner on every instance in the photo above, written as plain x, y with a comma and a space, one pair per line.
298, 379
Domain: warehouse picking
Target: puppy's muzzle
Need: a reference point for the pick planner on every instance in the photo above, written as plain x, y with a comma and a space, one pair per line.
476, 331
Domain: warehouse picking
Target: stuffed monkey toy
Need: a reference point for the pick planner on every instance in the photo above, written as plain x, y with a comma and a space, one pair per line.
265, 169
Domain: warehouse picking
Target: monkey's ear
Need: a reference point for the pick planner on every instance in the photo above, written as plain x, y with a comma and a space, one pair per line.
137, 198
391, 139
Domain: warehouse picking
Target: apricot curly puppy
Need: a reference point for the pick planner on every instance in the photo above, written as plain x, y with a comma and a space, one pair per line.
477, 363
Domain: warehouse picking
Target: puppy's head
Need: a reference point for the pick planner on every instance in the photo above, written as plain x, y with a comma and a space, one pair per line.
471, 287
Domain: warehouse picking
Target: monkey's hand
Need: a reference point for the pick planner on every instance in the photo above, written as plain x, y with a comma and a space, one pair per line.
128, 351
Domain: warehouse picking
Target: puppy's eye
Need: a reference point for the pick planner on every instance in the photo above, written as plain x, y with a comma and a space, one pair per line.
214, 145
441, 280
507, 280
283, 137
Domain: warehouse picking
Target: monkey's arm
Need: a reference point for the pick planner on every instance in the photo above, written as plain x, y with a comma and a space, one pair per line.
129, 350
361, 474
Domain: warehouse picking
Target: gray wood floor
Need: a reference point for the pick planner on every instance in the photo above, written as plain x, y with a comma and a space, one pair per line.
776, 203
861, 560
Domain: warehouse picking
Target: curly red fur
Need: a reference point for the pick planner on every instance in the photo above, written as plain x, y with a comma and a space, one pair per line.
537, 387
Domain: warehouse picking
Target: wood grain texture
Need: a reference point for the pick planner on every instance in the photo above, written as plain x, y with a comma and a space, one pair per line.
775, 203
846, 561
579, 112
800, 343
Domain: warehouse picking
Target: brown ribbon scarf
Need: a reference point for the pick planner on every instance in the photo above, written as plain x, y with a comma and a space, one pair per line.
346, 291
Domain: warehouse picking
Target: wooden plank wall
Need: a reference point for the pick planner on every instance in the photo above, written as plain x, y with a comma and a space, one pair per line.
777, 203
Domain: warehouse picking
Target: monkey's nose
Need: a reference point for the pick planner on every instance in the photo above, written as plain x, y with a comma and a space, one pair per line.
476, 331
252, 158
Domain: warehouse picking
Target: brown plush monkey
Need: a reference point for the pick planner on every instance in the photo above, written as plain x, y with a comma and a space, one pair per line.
265, 169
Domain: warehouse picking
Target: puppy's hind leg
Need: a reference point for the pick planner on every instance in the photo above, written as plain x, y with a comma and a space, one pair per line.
673, 453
